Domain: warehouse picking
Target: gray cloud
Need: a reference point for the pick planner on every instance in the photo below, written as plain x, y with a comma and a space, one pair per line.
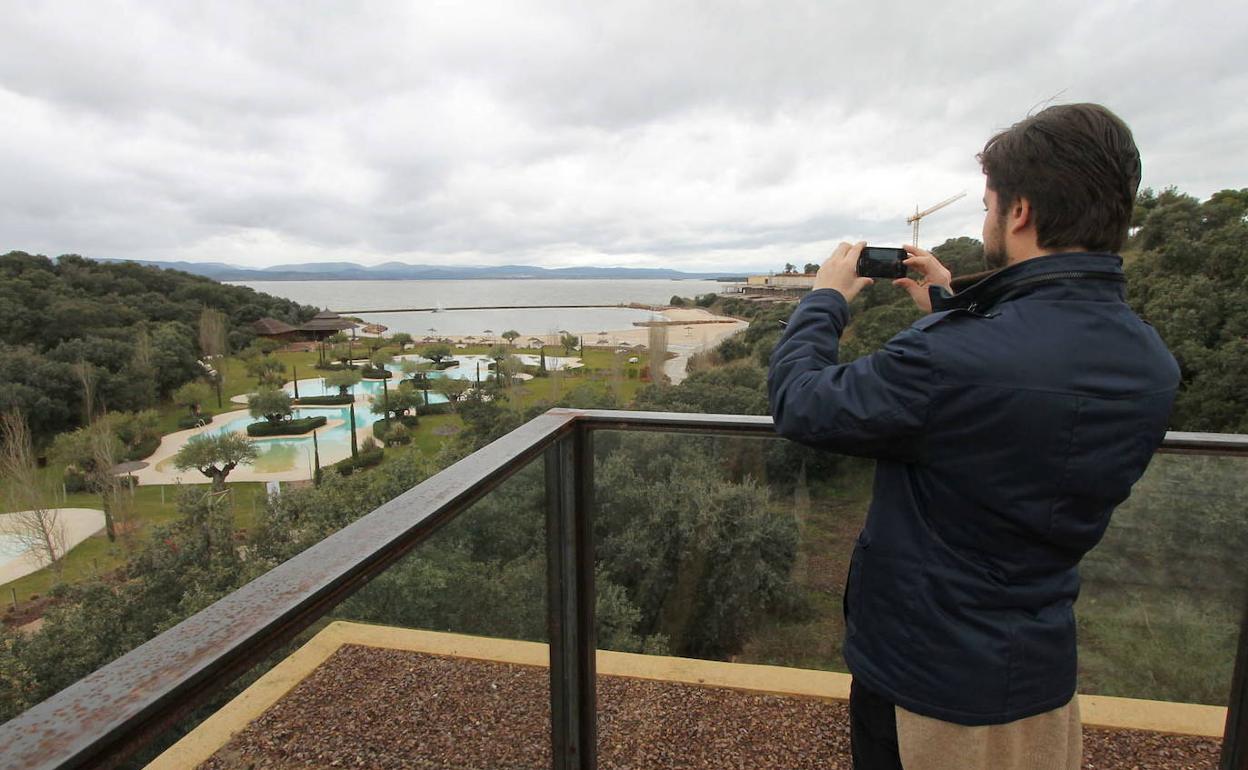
676, 134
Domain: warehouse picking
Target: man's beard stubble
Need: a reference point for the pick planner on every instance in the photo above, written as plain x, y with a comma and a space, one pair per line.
995, 257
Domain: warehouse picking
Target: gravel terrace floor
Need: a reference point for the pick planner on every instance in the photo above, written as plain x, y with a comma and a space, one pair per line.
366, 707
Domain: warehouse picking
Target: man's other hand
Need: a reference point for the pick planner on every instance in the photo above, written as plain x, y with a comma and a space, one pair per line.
933, 274
840, 271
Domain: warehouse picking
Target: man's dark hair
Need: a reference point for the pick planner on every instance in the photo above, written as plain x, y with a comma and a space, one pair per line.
1077, 166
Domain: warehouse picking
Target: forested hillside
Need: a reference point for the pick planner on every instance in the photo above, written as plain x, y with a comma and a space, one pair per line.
134, 331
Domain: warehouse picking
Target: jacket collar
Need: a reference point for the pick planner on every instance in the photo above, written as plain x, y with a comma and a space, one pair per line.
1008, 281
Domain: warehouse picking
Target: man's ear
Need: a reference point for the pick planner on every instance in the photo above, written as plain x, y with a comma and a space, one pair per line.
1019, 216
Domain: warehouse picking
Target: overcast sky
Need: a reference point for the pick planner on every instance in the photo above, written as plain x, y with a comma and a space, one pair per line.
700, 136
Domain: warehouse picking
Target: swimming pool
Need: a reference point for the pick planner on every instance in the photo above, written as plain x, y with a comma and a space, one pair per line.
12, 547
284, 453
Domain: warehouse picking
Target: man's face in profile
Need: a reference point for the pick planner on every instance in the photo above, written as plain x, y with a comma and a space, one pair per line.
994, 231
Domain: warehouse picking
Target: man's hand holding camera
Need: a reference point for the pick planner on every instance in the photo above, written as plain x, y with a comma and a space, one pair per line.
840, 272
933, 274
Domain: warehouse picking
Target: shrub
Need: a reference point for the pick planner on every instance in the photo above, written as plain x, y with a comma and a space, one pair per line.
399, 434
193, 421
145, 446
75, 480
445, 364
367, 459
370, 372
676, 301
442, 408
324, 400
286, 427
382, 428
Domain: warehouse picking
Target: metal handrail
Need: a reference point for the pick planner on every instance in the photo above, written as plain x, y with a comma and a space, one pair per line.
113, 712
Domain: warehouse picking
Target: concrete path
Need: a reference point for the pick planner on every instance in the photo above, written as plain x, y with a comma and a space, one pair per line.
78, 524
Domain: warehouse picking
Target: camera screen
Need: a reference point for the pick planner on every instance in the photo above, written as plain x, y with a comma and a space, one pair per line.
881, 262
883, 254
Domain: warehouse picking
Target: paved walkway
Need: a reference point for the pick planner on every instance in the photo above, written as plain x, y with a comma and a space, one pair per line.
78, 524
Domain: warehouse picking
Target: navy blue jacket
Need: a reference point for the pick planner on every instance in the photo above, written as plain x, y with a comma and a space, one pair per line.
1007, 427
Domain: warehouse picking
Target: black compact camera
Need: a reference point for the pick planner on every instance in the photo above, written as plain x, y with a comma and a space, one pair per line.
881, 262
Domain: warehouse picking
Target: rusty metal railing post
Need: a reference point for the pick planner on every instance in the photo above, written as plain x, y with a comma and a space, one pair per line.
570, 602
1235, 736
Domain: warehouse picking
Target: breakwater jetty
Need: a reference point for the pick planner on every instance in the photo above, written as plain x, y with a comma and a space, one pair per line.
628, 305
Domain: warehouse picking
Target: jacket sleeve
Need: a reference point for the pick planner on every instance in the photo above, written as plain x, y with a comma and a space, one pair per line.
875, 406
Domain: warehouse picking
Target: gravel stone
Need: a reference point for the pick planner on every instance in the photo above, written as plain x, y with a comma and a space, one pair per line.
366, 707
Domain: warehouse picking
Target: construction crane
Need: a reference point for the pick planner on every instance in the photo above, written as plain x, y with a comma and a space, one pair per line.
914, 220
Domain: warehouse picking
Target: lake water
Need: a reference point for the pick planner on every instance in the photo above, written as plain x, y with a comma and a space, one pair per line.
530, 293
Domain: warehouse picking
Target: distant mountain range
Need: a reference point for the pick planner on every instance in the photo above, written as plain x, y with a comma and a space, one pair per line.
392, 271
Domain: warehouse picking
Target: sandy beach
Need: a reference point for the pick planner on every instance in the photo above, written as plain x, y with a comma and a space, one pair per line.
686, 326
689, 330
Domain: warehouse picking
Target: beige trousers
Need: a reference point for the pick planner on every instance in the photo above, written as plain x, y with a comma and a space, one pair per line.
1049, 741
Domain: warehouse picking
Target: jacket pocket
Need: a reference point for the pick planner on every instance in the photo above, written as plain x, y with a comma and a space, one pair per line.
851, 599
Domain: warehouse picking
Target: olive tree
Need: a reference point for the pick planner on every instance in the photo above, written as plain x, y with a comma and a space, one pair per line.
401, 401
215, 455
343, 380
438, 353
267, 371
409, 368
192, 395
270, 403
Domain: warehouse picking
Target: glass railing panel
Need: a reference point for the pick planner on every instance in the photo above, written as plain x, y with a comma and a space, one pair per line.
1164, 591
724, 547
386, 686
483, 573
427, 664
728, 549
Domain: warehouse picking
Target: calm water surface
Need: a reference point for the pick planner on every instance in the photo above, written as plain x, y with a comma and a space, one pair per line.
367, 295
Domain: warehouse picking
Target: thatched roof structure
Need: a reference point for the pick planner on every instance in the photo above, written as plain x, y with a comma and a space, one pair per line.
271, 327
326, 321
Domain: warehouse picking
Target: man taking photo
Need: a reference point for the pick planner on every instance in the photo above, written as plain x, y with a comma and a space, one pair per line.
1007, 425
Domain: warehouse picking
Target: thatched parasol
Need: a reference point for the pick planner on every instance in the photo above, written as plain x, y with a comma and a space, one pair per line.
127, 468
